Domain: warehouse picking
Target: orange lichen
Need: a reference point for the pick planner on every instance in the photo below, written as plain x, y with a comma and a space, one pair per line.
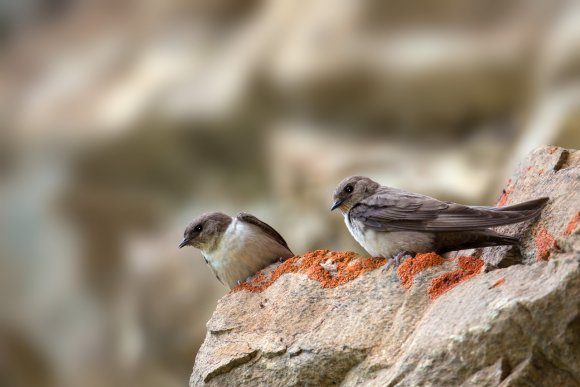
260, 282
407, 270
505, 194
545, 242
572, 225
499, 282
540, 171
346, 267
468, 267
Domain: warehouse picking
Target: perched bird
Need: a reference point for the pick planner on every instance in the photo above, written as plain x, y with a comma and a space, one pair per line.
235, 247
389, 222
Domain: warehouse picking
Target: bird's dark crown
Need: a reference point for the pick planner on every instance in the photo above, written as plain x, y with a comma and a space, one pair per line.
205, 231
352, 189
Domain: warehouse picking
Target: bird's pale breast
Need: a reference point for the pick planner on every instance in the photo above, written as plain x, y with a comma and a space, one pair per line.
387, 244
242, 251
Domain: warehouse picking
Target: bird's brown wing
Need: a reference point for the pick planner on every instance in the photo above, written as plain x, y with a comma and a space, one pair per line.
248, 218
390, 209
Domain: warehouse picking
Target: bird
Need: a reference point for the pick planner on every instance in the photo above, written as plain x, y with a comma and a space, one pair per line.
391, 223
235, 248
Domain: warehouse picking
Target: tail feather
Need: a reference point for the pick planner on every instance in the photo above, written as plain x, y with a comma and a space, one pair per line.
526, 210
520, 212
446, 242
535, 205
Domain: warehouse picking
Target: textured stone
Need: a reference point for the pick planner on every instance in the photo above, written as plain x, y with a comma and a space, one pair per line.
512, 326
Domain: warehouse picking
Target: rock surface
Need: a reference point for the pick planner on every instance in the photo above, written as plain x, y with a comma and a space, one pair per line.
493, 318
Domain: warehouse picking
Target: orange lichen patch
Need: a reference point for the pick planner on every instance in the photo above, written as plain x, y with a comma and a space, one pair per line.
545, 242
468, 267
348, 266
505, 194
499, 282
504, 197
260, 282
407, 270
541, 171
572, 225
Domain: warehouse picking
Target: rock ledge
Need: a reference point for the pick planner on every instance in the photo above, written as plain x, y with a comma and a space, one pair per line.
485, 318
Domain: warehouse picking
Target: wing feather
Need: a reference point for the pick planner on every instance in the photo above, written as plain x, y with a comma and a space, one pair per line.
391, 209
248, 218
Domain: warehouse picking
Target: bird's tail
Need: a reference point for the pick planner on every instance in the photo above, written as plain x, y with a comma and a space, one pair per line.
452, 241
526, 210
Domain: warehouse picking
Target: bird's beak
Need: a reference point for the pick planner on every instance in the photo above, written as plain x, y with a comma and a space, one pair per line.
184, 243
336, 203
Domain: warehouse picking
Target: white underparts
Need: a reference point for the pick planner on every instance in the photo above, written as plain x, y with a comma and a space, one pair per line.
387, 244
243, 250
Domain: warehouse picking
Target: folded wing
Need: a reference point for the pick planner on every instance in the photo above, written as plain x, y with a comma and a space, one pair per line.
391, 209
248, 218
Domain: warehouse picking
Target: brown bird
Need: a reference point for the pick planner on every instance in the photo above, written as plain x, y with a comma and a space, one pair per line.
389, 222
235, 248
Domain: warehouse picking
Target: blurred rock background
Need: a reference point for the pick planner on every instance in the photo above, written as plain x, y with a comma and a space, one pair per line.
122, 120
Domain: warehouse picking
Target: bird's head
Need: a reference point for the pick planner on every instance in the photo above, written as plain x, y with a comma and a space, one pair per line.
351, 190
205, 231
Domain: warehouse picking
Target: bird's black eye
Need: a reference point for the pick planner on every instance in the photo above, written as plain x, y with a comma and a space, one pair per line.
348, 189
198, 228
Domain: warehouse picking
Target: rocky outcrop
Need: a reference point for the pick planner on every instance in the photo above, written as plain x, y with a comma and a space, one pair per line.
478, 318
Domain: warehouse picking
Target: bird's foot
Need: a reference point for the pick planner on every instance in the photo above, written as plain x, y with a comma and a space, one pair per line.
397, 259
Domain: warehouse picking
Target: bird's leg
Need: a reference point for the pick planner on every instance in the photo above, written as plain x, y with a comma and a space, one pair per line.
398, 258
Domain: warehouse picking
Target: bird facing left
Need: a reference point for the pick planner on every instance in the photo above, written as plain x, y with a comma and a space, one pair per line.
235, 248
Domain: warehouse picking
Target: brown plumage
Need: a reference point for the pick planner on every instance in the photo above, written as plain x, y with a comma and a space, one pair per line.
387, 221
235, 247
